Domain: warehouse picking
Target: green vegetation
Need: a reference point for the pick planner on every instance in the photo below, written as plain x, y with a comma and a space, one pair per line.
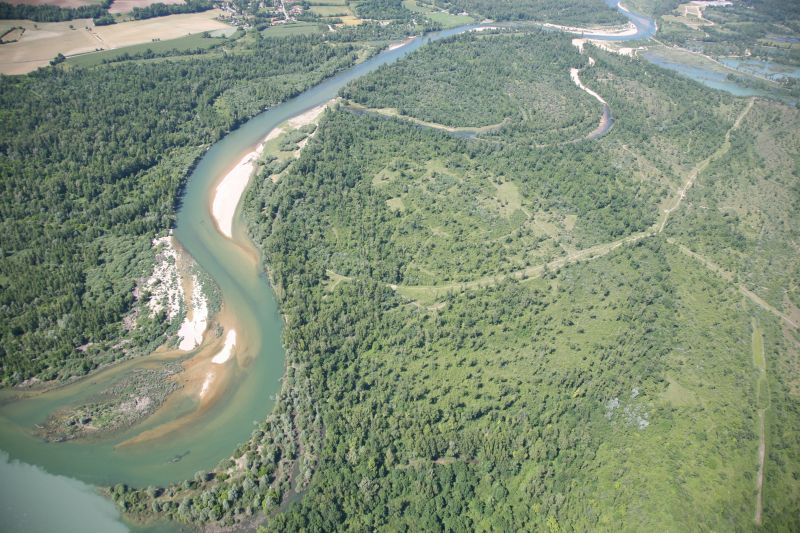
439, 16
93, 160
382, 10
51, 13
615, 394
459, 82
161, 10
557, 11
130, 400
190, 45
440, 376
98, 12
293, 29
744, 212
765, 29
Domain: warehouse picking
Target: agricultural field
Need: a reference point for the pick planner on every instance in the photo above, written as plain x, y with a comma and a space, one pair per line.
42, 41
181, 44
293, 28
331, 10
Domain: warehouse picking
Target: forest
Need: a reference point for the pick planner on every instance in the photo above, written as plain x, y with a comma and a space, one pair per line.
92, 163
617, 394
555, 11
382, 10
161, 10
459, 82
51, 13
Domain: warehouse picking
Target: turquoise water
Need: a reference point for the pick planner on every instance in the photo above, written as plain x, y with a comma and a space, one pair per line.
710, 78
33, 501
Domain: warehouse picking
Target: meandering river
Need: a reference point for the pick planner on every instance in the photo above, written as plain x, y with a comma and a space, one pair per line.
64, 468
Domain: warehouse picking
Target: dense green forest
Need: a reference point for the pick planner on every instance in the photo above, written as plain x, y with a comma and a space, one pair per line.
459, 82
382, 10
92, 161
161, 10
51, 13
618, 394
557, 11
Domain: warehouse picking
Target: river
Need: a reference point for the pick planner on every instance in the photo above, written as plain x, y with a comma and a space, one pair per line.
66, 471
214, 433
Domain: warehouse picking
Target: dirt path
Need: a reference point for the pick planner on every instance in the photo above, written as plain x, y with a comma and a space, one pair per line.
728, 276
394, 113
762, 452
599, 250
702, 165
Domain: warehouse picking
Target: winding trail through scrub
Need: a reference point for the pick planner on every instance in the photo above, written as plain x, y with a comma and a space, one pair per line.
702, 165
729, 277
394, 113
760, 362
600, 250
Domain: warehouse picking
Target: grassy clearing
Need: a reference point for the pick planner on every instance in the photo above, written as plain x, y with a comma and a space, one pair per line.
509, 197
758, 347
331, 11
444, 18
678, 395
396, 204
294, 28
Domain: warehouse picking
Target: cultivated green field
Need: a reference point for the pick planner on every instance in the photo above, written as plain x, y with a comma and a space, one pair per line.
331, 10
294, 28
187, 44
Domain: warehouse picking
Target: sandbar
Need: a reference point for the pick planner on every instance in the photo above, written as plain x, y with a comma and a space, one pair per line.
230, 191
227, 349
196, 322
625, 31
